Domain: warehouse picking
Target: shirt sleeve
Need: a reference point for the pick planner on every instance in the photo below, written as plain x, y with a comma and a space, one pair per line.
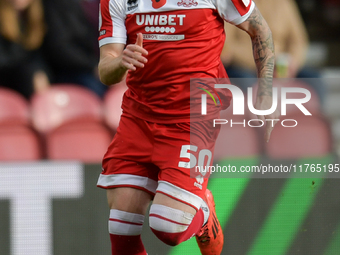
234, 11
112, 22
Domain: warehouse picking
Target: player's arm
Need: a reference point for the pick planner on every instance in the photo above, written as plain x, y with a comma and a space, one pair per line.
116, 59
263, 51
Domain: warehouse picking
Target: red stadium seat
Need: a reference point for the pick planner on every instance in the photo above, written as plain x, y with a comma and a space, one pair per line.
18, 143
63, 103
310, 138
80, 140
228, 113
13, 107
236, 142
112, 104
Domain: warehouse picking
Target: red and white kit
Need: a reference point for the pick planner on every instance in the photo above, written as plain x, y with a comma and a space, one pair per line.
152, 148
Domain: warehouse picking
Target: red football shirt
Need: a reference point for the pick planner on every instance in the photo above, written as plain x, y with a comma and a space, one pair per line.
184, 39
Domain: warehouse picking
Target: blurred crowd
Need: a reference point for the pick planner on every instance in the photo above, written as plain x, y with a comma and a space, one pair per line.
44, 42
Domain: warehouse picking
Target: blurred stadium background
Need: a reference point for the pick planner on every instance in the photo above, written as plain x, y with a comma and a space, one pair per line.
51, 147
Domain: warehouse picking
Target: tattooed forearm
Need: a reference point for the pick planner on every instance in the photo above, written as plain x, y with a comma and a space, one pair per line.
264, 59
263, 50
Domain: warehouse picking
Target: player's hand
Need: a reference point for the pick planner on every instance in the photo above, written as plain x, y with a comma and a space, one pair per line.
132, 56
265, 103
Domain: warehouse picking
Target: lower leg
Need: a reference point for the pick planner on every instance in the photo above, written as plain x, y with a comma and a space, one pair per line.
128, 207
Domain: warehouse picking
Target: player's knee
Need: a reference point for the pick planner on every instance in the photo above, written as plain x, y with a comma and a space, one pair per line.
169, 224
125, 223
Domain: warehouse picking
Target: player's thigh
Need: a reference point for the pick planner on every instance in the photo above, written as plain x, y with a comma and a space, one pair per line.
180, 186
129, 199
130, 185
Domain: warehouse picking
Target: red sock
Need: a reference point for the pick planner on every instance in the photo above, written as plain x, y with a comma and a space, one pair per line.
127, 245
125, 233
